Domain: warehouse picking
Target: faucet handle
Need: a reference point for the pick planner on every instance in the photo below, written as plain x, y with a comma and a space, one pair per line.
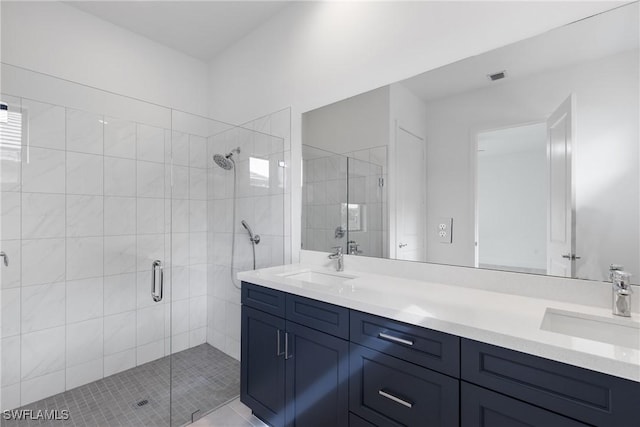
613, 268
621, 279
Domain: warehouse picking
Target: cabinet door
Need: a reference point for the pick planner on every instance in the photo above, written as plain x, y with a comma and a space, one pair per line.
484, 408
262, 386
317, 376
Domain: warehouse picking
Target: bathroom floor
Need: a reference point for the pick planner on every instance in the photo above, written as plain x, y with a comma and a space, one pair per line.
233, 414
204, 378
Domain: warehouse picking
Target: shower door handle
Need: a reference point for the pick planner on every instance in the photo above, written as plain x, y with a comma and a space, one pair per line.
157, 280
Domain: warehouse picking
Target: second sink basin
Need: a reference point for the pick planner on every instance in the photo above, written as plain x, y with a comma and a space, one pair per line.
320, 278
622, 332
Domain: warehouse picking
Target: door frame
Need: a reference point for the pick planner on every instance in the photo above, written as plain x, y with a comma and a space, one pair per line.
474, 133
393, 189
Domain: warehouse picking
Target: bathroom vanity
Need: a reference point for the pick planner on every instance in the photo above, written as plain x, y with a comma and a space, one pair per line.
321, 348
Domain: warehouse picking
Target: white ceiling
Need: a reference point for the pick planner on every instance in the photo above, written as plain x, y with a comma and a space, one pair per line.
605, 34
201, 29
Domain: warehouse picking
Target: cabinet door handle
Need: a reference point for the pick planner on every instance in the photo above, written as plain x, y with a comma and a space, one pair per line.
278, 351
286, 346
394, 339
395, 398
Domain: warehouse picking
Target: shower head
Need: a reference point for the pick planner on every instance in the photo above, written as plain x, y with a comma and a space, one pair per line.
226, 161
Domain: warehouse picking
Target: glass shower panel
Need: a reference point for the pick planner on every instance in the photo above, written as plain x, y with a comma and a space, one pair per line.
85, 201
364, 208
228, 216
324, 199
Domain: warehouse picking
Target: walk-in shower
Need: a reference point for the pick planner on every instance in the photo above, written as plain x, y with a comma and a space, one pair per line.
95, 187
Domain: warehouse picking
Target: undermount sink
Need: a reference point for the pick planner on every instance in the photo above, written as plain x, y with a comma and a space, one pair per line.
320, 278
622, 332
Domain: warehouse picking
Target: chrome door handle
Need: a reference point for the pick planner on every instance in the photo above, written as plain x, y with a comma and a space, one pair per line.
157, 280
402, 245
5, 258
395, 398
394, 339
278, 351
286, 346
572, 257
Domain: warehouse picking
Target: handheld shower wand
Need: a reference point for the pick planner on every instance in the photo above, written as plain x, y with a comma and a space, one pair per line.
255, 239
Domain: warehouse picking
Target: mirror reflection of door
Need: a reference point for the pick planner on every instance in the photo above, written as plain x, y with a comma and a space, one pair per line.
511, 198
410, 196
561, 257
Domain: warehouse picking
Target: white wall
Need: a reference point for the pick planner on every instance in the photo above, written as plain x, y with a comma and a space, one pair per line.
606, 116
315, 53
353, 124
60, 40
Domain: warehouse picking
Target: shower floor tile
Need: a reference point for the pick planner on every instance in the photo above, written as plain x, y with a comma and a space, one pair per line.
203, 378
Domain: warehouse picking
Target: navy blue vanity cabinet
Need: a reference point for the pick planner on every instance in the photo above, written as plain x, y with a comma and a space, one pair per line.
590, 397
484, 408
294, 373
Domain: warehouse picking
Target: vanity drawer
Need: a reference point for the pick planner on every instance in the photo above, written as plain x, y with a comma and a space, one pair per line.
484, 408
390, 392
425, 347
592, 397
268, 300
322, 316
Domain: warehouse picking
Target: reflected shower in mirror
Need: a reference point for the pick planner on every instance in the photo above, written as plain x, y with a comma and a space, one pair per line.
524, 158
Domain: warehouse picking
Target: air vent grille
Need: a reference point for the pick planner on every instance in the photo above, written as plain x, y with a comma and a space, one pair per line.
497, 76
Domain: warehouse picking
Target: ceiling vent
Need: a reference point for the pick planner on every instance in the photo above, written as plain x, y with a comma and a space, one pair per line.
497, 76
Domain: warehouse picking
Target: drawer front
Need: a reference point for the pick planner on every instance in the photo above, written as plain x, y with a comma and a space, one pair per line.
390, 392
425, 347
322, 316
268, 300
585, 395
484, 408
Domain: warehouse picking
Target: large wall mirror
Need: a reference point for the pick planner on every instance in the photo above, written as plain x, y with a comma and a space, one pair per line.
522, 159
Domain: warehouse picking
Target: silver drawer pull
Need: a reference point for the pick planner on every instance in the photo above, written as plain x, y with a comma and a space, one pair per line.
395, 399
394, 339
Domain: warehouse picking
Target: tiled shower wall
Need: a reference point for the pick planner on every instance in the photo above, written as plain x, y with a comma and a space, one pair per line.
324, 191
85, 210
261, 202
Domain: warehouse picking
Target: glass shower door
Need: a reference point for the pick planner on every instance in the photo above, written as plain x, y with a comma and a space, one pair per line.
84, 201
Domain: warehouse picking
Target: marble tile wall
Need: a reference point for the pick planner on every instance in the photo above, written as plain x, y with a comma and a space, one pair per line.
87, 205
263, 203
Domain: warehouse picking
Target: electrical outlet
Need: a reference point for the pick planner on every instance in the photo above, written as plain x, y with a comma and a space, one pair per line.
445, 227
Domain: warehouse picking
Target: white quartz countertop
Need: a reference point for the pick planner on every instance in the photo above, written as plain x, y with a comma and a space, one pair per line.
501, 319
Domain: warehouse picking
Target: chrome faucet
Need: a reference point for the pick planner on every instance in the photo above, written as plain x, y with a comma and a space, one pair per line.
621, 281
338, 256
353, 248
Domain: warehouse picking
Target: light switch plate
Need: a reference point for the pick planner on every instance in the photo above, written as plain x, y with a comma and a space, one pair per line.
445, 227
